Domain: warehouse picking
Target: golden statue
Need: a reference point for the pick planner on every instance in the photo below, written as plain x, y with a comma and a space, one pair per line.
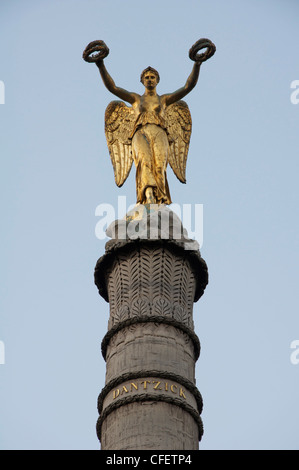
154, 131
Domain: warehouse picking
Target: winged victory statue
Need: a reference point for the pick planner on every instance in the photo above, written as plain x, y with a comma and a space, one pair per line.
153, 131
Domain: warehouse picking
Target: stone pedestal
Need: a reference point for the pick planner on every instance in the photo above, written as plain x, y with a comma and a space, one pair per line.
150, 400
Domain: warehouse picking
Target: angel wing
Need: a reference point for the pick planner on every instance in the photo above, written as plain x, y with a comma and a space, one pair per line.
119, 124
178, 124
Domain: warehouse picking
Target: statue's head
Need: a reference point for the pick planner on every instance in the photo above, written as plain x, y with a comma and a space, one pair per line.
148, 75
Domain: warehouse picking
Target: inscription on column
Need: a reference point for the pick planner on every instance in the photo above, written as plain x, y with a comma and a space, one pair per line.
151, 386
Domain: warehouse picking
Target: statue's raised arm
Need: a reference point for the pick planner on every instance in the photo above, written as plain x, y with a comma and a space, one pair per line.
193, 77
95, 52
154, 131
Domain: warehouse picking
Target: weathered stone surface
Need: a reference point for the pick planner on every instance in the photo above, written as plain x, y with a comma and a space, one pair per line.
149, 346
150, 400
150, 426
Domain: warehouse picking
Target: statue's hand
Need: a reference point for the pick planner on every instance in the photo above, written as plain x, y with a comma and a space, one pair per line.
95, 46
202, 44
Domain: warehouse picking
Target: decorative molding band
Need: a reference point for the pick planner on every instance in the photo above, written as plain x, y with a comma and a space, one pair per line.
151, 373
147, 397
150, 319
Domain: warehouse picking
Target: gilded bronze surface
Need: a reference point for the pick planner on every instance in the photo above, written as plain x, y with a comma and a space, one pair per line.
154, 131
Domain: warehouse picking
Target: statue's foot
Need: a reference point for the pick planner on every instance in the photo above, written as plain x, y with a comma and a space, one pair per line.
149, 194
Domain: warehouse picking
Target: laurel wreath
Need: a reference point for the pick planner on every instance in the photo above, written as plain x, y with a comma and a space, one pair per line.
203, 43
95, 46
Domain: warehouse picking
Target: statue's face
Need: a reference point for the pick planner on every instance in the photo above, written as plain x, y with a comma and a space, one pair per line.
150, 80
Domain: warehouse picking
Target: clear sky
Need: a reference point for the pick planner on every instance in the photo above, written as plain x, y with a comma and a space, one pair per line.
55, 170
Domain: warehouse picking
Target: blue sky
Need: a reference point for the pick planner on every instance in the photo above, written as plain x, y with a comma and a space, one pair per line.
55, 170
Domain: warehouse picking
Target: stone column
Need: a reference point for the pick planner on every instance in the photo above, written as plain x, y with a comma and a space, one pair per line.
150, 400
